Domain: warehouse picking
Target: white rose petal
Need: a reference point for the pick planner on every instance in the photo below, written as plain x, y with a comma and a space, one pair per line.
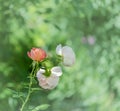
48, 82
51, 81
59, 49
68, 56
56, 71
41, 71
67, 53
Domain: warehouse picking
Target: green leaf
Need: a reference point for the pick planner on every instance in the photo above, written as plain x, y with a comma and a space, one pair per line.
41, 107
57, 27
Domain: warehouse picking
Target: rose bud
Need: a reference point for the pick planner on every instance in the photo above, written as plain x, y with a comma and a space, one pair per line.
37, 54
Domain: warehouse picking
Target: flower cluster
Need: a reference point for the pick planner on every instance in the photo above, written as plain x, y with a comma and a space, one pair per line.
48, 77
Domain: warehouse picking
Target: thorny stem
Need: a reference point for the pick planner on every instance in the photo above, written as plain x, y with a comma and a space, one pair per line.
29, 89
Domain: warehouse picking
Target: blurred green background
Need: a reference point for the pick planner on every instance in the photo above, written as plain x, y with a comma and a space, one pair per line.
90, 27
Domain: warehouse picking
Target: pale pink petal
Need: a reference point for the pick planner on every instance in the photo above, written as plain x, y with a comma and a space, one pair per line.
68, 56
29, 54
40, 72
51, 81
59, 49
57, 71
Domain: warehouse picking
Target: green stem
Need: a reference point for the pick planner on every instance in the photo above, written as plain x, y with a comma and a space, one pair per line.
29, 90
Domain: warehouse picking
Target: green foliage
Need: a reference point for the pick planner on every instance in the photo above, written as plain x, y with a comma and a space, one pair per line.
92, 84
41, 107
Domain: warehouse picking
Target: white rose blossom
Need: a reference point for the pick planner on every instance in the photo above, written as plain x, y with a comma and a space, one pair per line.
67, 53
51, 81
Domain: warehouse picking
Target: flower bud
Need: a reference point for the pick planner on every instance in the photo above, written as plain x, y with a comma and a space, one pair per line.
37, 54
